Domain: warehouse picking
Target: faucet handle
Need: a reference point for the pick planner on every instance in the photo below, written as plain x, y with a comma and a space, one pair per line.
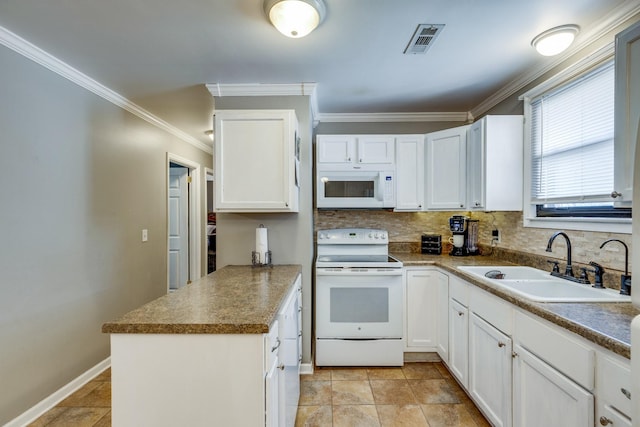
584, 277
598, 271
556, 267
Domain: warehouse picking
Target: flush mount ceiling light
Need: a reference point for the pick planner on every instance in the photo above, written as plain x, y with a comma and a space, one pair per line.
295, 18
209, 133
555, 40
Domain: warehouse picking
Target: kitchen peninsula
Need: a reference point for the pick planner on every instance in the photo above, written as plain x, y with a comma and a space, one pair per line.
208, 351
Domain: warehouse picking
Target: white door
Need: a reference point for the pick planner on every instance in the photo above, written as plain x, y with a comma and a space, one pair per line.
459, 341
490, 371
375, 149
409, 173
445, 168
178, 227
542, 396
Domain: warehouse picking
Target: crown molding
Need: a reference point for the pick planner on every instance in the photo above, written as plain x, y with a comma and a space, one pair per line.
268, 89
608, 23
39, 56
395, 117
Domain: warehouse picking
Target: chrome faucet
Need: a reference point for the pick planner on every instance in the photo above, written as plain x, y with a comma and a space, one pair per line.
569, 268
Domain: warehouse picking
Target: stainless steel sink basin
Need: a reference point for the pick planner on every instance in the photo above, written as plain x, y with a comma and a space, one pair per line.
538, 285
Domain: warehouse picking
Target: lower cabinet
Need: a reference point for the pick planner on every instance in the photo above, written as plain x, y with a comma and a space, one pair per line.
490, 370
422, 287
542, 396
523, 371
459, 341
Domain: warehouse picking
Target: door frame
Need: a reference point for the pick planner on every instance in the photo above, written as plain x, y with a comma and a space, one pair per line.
195, 216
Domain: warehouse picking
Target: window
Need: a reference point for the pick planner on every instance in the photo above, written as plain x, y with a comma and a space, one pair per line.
571, 146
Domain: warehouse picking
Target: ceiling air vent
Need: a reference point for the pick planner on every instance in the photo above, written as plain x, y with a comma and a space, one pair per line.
423, 38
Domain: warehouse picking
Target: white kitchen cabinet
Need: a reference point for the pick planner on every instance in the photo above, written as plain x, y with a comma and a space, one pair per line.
542, 396
445, 168
256, 161
354, 151
409, 173
289, 357
273, 380
442, 313
627, 112
613, 384
459, 341
490, 370
495, 164
421, 290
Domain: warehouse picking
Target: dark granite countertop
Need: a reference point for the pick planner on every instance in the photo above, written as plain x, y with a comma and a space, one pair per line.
232, 300
605, 324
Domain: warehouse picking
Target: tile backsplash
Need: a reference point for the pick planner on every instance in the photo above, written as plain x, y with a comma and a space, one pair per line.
405, 229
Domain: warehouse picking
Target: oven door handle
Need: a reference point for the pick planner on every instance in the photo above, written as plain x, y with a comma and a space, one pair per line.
359, 271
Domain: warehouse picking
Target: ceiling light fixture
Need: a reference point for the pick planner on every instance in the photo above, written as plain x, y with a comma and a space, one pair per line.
555, 40
295, 18
209, 133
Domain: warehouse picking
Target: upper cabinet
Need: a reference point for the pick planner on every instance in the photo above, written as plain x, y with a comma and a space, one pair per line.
495, 164
256, 161
445, 168
627, 113
355, 151
409, 173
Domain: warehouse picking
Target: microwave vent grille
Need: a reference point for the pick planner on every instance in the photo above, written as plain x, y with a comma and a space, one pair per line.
423, 38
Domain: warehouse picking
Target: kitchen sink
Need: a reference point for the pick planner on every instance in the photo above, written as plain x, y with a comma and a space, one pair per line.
538, 285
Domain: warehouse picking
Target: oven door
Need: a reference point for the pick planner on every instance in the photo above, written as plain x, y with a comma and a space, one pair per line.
359, 303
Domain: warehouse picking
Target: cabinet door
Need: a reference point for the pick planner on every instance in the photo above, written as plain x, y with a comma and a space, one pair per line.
376, 149
442, 313
272, 391
490, 371
542, 396
627, 117
255, 161
422, 297
475, 165
289, 360
409, 173
336, 148
459, 341
446, 154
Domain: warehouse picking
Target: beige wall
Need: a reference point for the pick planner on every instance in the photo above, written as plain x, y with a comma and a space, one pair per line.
290, 234
79, 179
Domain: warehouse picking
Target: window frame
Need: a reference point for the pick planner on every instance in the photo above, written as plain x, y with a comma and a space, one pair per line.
530, 218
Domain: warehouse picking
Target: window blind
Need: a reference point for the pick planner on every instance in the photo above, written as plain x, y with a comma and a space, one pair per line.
572, 141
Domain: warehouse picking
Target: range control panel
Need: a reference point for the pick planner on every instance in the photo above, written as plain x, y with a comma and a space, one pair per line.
352, 236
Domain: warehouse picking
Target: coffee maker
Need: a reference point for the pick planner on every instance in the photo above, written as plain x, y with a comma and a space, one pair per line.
465, 236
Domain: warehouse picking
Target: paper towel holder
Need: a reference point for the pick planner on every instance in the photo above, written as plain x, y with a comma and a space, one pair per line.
257, 262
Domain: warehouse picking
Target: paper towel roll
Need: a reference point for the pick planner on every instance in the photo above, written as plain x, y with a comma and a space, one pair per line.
262, 243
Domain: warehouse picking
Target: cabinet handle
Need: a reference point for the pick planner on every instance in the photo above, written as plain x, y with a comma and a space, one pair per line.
360, 160
348, 159
626, 392
615, 195
299, 309
287, 205
514, 354
605, 421
501, 344
281, 366
275, 347
300, 333
461, 313
461, 205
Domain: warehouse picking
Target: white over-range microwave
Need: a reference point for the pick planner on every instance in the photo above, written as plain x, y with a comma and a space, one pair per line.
355, 189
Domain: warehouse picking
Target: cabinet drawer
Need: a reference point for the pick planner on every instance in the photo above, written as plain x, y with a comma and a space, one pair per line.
271, 345
459, 290
491, 309
556, 347
614, 384
608, 416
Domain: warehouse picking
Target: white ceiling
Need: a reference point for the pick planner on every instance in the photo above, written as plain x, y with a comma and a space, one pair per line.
160, 53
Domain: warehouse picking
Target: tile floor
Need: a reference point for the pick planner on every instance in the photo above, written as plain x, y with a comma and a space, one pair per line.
418, 394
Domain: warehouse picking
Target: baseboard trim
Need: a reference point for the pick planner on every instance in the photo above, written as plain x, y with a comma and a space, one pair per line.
306, 368
58, 396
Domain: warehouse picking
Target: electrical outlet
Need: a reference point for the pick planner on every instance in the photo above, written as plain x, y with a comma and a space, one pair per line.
495, 235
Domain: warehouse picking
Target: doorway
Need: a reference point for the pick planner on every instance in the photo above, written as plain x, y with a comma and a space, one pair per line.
211, 221
183, 222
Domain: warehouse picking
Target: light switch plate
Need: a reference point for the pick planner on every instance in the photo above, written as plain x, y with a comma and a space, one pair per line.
145, 235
